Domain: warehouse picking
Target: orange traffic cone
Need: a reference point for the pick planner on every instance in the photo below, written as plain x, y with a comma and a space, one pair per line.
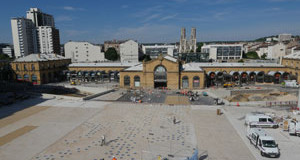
237, 104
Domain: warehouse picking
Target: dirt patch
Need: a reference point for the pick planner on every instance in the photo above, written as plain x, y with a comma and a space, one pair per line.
21, 115
239, 98
177, 100
273, 96
15, 134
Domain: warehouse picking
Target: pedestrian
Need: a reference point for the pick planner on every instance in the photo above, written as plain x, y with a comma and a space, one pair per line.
102, 140
114, 158
174, 120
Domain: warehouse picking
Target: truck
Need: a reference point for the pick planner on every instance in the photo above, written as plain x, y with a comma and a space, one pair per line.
294, 127
260, 120
263, 142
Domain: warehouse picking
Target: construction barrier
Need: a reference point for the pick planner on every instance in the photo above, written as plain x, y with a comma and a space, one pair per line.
282, 103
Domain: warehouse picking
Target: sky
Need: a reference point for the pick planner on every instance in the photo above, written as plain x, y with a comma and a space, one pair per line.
159, 21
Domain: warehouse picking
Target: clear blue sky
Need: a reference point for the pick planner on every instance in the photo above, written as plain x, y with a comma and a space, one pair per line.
160, 20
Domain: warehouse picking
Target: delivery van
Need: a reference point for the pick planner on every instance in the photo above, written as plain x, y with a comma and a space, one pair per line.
263, 142
294, 127
260, 120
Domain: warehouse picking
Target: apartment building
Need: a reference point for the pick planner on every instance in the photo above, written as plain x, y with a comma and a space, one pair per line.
84, 52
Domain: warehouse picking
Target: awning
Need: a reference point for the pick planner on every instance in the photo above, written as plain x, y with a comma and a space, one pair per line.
208, 73
232, 72
272, 73
256, 72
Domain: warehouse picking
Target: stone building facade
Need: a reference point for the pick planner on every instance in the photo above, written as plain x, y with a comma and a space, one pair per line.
292, 63
165, 72
40, 68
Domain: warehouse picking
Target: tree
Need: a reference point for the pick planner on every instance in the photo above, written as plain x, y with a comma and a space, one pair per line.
145, 58
263, 56
199, 47
241, 61
4, 57
252, 55
111, 54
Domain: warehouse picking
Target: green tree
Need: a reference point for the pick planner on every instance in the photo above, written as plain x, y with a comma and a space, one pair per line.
111, 54
145, 58
252, 55
199, 47
241, 61
263, 56
4, 57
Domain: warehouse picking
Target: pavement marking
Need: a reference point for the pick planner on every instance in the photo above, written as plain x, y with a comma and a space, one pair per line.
15, 134
178, 100
21, 115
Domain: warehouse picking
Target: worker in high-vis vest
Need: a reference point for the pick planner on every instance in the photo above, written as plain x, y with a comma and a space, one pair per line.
159, 157
114, 158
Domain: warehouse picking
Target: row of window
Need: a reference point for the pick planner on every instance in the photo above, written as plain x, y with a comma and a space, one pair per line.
185, 81
25, 67
26, 78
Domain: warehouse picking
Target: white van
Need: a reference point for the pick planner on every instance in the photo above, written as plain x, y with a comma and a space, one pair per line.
266, 144
260, 120
294, 127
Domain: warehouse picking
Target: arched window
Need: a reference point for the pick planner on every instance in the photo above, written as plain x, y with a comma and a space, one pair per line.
19, 77
137, 81
25, 67
34, 79
196, 82
32, 67
185, 82
160, 74
126, 81
26, 77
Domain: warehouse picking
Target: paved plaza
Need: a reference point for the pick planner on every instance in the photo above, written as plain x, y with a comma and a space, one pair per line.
70, 129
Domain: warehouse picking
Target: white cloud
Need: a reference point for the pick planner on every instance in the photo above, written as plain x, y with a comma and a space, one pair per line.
151, 17
168, 17
70, 8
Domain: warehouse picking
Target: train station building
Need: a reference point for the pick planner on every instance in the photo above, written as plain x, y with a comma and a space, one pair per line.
162, 72
171, 73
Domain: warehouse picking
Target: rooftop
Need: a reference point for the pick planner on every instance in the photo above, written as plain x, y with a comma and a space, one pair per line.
40, 57
237, 64
295, 55
138, 67
112, 64
170, 58
189, 67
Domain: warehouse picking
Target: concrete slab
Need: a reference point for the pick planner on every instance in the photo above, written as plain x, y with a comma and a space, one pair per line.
216, 137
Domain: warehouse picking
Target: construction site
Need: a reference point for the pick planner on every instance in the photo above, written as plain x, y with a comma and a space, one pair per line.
64, 121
